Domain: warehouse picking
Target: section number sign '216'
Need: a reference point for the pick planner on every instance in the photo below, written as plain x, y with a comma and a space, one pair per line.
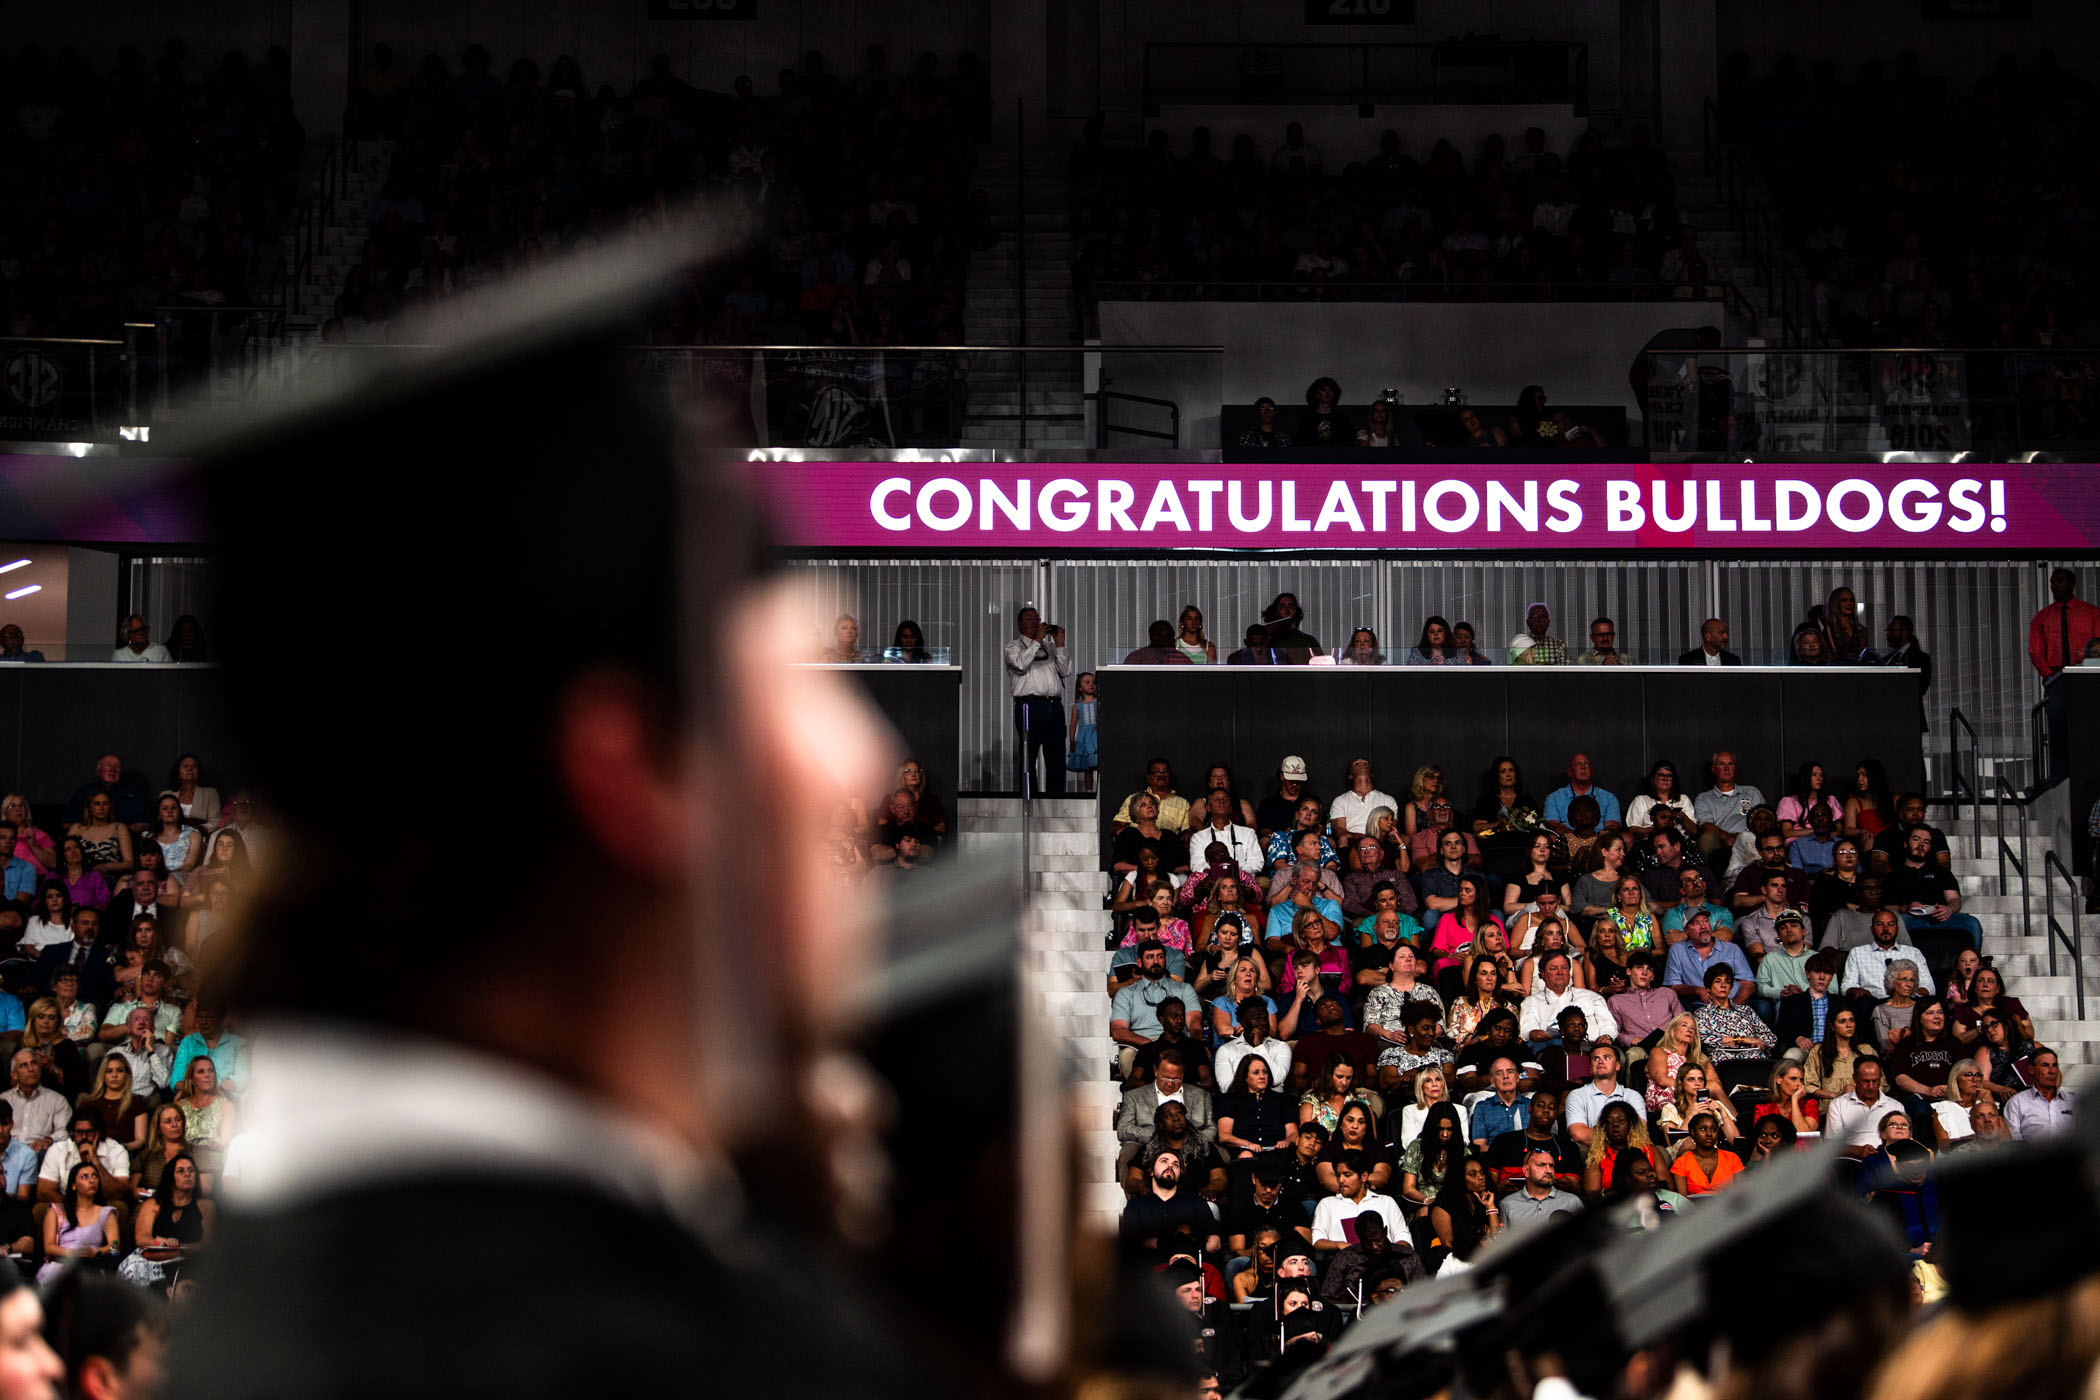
703, 9
1359, 11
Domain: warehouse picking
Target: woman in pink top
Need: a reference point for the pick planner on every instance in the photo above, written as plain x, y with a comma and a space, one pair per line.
1455, 933
1808, 792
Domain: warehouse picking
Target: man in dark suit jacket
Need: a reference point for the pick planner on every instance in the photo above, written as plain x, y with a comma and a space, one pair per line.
86, 953
1795, 1023
531, 1194
1713, 647
1905, 651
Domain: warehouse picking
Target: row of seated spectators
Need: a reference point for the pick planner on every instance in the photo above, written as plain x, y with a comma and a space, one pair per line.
124, 1077
1931, 212
148, 185
1415, 214
1327, 1007
845, 204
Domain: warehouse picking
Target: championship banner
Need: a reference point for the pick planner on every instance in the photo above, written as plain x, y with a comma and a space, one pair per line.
823, 398
1920, 402
70, 391
1076, 507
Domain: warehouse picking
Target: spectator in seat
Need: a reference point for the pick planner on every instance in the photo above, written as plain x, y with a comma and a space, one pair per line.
1145, 829
1158, 649
1555, 813
1587, 1103
1713, 647
84, 954
1159, 784
105, 842
1783, 968
1919, 1066
1349, 814
1266, 434
1814, 853
1758, 928
138, 644
1644, 1009
1870, 810
1802, 1015
76, 1227
1723, 810
1866, 967
2045, 1109
1854, 1119
228, 1052
1851, 924
18, 1161
1323, 424
1138, 1114
1661, 790
13, 648
1893, 844
1241, 844
51, 920
1175, 1035
1165, 1208
209, 1113
1604, 647
1257, 650
1686, 969
1426, 846
145, 1050
1535, 645
41, 1115
1361, 885
58, 1059
121, 1113
1836, 888
1134, 1013
1279, 809
1540, 1015
86, 1142
1693, 897
1809, 791
1304, 893
1748, 891
1930, 899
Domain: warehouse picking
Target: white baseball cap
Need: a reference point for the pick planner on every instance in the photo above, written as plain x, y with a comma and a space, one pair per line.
1294, 769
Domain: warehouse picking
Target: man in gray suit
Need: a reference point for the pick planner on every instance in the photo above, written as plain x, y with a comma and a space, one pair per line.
1140, 1107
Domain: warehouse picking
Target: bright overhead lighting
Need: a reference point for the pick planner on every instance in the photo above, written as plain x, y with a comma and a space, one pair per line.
10, 568
25, 592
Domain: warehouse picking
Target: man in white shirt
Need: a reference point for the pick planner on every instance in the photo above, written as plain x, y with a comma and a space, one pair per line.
148, 1053
1334, 1217
138, 642
1587, 1101
1350, 814
1723, 810
1866, 967
1241, 844
2045, 1109
1854, 1119
40, 1114
86, 1141
1253, 1039
1539, 1017
1036, 667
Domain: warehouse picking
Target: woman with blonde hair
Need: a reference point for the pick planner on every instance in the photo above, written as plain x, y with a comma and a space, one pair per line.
63, 1066
32, 842
1950, 1116
1695, 1095
1431, 1089
112, 1104
1630, 915
1421, 790
207, 1112
167, 1139
1676, 1047
1249, 978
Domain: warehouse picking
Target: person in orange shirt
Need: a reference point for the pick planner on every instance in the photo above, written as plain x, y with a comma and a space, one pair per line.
2058, 637
1705, 1165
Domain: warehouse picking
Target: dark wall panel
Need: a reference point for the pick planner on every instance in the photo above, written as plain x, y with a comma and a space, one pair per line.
1402, 717
924, 705
55, 721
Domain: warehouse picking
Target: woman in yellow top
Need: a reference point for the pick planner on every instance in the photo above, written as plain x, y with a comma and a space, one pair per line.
1828, 1068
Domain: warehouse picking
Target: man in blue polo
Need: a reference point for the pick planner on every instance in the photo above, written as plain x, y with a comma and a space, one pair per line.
1685, 972
1555, 814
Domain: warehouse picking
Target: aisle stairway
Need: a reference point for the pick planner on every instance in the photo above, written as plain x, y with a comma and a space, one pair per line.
2051, 999
343, 241
1066, 964
993, 314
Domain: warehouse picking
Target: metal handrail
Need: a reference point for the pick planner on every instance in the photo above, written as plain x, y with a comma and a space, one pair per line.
1100, 397
1301, 289
2002, 792
1021, 272
2074, 943
1360, 86
2038, 742
1966, 782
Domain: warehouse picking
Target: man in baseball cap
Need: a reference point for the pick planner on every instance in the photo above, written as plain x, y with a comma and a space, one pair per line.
1279, 807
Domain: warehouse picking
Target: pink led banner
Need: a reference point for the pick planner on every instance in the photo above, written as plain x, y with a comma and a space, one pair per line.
1082, 506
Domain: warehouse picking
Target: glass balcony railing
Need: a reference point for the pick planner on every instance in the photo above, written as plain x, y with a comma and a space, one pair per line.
1773, 404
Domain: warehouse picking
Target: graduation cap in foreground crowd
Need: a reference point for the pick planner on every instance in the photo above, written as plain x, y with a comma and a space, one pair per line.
1580, 1290
2019, 1222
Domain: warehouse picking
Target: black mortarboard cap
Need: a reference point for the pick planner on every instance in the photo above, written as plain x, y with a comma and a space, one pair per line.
2017, 1222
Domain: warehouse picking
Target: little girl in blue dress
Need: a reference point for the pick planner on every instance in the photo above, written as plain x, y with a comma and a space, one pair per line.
1086, 738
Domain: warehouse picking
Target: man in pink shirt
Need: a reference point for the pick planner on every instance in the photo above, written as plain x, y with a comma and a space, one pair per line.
1646, 1008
